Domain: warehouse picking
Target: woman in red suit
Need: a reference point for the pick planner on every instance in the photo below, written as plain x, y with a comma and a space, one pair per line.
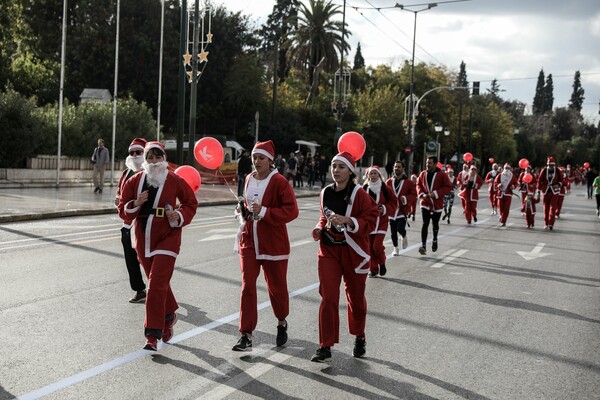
471, 182
348, 216
549, 183
505, 184
386, 204
433, 184
269, 204
526, 188
150, 198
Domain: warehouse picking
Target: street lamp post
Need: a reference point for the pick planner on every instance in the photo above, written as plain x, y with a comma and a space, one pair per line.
438, 128
412, 109
341, 85
411, 116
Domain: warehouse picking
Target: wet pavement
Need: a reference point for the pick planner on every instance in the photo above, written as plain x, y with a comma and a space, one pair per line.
50, 202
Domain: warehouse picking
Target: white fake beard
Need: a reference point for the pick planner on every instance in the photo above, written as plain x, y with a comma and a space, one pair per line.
506, 178
375, 187
134, 162
156, 173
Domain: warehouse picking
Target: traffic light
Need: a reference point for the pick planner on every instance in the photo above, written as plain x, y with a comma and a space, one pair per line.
251, 129
475, 88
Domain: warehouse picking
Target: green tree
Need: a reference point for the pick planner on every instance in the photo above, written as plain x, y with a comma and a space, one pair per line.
280, 23
548, 102
538, 99
577, 97
317, 37
359, 61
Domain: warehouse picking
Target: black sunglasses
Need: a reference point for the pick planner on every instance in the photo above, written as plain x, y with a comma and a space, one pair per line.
136, 152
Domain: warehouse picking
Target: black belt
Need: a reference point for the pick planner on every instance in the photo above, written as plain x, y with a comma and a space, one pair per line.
158, 211
330, 240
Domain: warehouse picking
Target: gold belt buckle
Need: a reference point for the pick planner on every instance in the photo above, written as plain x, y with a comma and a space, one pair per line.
160, 212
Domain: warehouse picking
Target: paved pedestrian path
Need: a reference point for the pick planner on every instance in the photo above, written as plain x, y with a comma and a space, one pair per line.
51, 202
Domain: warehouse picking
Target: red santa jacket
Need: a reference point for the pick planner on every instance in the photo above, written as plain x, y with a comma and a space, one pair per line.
388, 202
125, 175
269, 236
406, 194
505, 184
525, 187
158, 236
548, 182
363, 212
467, 192
489, 179
440, 185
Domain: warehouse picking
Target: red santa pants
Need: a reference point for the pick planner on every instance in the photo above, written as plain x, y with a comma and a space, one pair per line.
504, 207
377, 252
559, 203
492, 197
160, 301
550, 205
470, 209
276, 278
336, 262
529, 216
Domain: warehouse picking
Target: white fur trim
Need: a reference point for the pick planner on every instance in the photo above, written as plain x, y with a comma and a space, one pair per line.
345, 161
264, 153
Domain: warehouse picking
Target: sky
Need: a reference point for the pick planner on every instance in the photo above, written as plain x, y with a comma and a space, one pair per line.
507, 40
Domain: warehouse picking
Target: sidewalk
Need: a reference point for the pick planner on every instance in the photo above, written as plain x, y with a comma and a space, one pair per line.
49, 202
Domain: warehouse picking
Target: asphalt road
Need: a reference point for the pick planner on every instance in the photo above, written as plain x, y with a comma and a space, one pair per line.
494, 314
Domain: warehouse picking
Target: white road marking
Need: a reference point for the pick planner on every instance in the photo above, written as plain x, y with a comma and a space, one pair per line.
252, 373
449, 258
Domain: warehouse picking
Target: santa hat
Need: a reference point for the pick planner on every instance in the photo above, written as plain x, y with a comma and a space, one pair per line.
494, 165
265, 148
413, 176
450, 171
550, 161
138, 144
346, 158
374, 168
473, 167
507, 166
153, 145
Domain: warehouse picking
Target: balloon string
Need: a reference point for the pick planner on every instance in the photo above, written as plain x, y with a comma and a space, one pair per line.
227, 183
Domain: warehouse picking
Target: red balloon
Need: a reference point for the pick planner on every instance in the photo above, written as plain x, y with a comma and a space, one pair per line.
527, 178
491, 160
354, 143
190, 175
467, 157
523, 163
586, 165
209, 153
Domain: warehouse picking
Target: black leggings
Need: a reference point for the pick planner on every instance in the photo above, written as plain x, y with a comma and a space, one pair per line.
597, 202
397, 226
435, 219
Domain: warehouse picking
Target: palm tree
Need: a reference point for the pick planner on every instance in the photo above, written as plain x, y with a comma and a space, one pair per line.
317, 40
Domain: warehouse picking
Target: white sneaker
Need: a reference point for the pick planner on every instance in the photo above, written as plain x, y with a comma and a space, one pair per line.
396, 251
404, 242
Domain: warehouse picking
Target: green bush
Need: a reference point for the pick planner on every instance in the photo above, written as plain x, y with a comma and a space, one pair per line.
20, 129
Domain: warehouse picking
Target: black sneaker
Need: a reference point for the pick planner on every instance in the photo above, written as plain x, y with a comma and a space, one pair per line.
282, 336
434, 246
360, 347
138, 297
323, 354
475, 218
382, 270
422, 250
244, 344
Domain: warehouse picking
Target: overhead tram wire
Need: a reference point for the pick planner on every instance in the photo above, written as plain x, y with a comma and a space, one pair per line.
379, 29
404, 33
